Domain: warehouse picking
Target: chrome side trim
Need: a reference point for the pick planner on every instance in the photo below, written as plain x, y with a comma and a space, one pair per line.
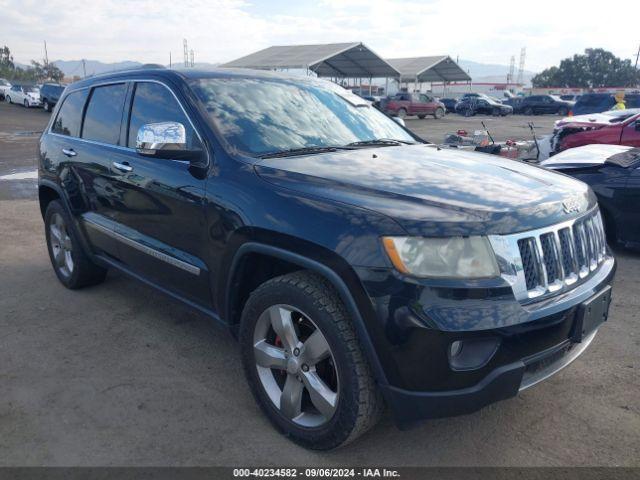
187, 267
553, 368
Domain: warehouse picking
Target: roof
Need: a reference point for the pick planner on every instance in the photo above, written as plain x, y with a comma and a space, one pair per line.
439, 68
347, 60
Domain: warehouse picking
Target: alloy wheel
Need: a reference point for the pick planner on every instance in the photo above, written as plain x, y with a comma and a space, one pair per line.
61, 245
296, 366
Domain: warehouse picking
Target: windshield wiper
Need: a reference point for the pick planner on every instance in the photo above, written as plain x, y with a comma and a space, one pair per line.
380, 142
302, 151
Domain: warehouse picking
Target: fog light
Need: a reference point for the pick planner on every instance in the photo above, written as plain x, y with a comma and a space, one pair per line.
472, 353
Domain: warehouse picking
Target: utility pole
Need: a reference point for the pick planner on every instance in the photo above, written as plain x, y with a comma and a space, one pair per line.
169, 60
523, 54
46, 55
186, 52
84, 68
637, 56
191, 54
512, 68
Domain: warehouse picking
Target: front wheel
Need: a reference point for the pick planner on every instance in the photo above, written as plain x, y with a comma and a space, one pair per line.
8, 99
438, 114
304, 364
26, 104
46, 106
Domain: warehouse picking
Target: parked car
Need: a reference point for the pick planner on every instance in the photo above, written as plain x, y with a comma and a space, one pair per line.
353, 261
472, 106
449, 104
570, 97
420, 104
25, 95
617, 127
601, 102
50, 94
5, 86
613, 172
540, 104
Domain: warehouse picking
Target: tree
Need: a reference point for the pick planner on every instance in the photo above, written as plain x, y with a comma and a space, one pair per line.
596, 68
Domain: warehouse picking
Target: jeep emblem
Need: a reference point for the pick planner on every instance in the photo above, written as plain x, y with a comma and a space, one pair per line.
571, 205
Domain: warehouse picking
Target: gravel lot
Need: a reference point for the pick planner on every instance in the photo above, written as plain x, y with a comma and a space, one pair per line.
120, 375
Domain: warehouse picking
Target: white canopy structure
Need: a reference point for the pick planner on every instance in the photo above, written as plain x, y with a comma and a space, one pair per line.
440, 68
340, 60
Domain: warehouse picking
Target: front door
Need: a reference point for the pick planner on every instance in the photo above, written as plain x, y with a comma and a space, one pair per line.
162, 223
631, 134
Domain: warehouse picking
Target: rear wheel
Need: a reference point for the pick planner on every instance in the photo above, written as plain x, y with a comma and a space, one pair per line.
439, 113
304, 363
72, 266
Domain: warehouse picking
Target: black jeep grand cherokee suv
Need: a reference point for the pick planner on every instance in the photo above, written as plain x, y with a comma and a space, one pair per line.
358, 265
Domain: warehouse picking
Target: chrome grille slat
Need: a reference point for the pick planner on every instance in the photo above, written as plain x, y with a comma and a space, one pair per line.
549, 260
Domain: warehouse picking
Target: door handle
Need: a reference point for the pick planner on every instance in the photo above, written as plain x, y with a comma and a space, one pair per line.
123, 167
69, 152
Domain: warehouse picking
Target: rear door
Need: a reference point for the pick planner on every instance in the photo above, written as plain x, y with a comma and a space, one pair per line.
83, 170
428, 104
161, 221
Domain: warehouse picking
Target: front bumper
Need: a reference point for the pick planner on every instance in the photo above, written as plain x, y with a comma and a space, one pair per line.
420, 322
502, 383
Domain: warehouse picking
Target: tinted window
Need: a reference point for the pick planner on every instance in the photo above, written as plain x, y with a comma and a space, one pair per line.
592, 100
70, 114
154, 103
104, 114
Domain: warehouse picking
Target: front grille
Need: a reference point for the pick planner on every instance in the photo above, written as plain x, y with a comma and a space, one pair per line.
549, 260
562, 256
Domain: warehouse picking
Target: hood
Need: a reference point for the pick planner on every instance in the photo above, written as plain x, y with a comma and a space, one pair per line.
434, 191
583, 157
597, 120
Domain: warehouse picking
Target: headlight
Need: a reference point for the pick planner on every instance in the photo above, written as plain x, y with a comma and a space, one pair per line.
450, 257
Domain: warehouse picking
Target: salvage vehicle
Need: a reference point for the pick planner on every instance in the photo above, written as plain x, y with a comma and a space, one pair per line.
540, 104
5, 86
50, 94
614, 127
471, 106
420, 104
358, 265
613, 173
25, 95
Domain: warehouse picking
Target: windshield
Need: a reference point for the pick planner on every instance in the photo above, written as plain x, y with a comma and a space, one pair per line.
30, 89
260, 116
618, 116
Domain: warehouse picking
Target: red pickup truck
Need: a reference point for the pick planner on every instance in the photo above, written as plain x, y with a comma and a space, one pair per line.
420, 104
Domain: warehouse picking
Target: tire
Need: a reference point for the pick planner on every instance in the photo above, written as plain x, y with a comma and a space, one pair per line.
46, 106
402, 113
469, 112
421, 117
72, 266
357, 404
26, 104
528, 111
438, 114
562, 111
8, 99
495, 112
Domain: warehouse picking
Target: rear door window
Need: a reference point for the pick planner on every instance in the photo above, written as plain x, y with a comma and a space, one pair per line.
69, 116
104, 114
154, 103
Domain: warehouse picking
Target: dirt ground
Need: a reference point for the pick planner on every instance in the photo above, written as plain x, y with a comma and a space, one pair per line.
119, 375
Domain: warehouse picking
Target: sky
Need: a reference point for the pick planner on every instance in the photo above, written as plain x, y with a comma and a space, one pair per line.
487, 31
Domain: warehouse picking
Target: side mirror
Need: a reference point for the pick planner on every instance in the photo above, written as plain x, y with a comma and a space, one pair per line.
399, 121
637, 125
166, 140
